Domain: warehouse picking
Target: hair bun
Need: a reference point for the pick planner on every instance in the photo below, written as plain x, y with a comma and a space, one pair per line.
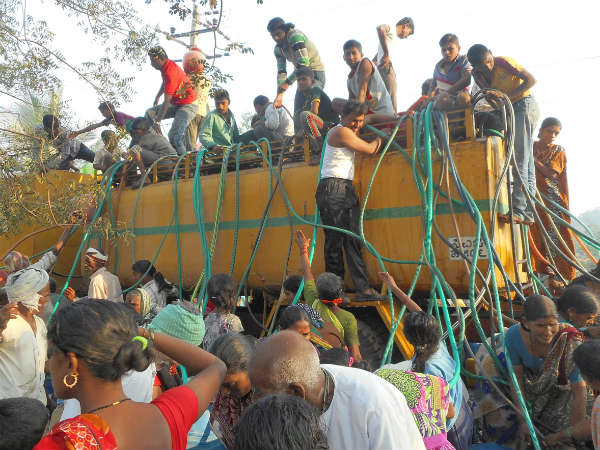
131, 356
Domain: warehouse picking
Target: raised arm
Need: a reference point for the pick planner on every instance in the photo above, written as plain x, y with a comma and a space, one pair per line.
62, 240
382, 30
304, 245
89, 128
399, 293
209, 370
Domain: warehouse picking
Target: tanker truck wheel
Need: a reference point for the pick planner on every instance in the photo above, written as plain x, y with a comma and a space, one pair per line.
372, 343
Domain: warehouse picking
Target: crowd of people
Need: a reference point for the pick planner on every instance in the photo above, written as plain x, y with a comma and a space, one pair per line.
77, 371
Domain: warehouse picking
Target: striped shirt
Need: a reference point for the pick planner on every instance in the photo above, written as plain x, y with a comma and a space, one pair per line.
300, 51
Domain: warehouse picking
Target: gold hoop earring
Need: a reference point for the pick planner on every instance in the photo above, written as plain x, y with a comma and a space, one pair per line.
75, 376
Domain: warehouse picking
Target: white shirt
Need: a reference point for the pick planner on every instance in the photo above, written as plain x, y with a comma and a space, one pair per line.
338, 162
158, 298
368, 413
389, 40
136, 385
47, 260
279, 121
105, 285
22, 359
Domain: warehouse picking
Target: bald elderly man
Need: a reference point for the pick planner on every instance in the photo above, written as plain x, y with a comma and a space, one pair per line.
358, 409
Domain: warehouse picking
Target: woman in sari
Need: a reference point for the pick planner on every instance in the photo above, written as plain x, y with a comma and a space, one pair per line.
91, 344
551, 176
428, 398
541, 351
139, 299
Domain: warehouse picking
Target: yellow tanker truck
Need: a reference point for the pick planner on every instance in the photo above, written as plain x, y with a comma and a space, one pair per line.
163, 223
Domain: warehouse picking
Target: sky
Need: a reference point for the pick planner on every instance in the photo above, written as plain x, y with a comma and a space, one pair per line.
555, 42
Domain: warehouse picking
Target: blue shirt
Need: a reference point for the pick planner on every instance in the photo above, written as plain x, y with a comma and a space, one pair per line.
520, 356
442, 365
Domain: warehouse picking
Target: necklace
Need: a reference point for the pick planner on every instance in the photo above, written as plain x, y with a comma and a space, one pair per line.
118, 402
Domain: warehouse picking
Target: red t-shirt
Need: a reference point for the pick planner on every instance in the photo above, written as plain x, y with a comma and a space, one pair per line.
177, 84
179, 407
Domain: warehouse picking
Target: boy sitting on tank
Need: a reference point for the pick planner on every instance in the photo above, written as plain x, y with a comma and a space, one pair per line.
314, 114
451, 76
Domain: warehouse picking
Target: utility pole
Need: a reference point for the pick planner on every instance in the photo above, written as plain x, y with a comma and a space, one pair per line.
195, 25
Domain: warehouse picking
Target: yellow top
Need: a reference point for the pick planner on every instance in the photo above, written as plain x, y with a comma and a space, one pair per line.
505, 77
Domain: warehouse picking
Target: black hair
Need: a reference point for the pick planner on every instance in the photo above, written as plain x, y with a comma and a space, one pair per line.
426, 86
353, 43
143, 265
449, 38
107, 134
280, 422
235, 350
107, 105
292, 314
423, 332
580, 298
222, 94
550, 122
292, 284
407, 21
50, 121
538, 307
261, 100
587, 359
304, 71
221, 291
100, 333
354, 107
277, 23
52, 282
477, 54
329, 286
140, 123
337, 356
23, 423
595, 272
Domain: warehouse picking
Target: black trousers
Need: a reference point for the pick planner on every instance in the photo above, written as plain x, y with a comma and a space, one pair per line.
338, 207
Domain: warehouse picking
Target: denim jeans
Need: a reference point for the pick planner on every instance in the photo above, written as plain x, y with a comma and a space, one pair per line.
182, 115
527, 115
319, 82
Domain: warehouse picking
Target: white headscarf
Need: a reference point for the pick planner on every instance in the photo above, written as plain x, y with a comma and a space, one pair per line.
97, 254
23, 286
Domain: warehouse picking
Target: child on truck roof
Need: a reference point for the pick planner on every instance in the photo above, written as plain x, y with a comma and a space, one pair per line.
451, 76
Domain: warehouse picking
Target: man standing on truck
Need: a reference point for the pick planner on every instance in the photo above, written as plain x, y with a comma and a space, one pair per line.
337, 201
292, 45
404, 28
179, 101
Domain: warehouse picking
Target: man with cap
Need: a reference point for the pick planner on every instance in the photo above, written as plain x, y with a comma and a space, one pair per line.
193, 65
358, 410
23, 343
292, 45
179, 99
103, 284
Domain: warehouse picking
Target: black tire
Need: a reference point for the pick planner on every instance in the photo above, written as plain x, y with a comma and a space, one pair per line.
372, 343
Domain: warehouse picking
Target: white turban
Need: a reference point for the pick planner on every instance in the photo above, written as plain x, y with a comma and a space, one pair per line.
15, 261
97, 254
23, 286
